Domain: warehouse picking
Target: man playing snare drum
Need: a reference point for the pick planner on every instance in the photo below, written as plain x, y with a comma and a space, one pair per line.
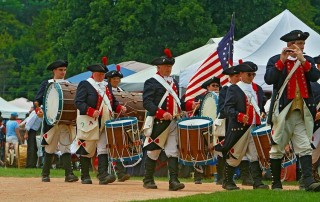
52, 134
160, 99
293, 116
243, 107
95, 103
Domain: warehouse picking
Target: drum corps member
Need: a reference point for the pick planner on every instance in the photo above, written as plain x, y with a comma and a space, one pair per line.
243, 107
296, 106
95, 103
315, 86
160, 99
52, 134
114, 78
234, 78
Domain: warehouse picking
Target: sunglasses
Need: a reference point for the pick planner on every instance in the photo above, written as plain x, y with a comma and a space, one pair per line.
215, 85
251, 74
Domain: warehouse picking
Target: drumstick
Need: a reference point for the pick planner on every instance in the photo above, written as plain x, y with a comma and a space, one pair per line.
121, 109
194, 110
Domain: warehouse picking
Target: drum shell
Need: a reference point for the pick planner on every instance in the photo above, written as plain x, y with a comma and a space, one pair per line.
123, 141
263, 145
194, 142
22, 156
134, 105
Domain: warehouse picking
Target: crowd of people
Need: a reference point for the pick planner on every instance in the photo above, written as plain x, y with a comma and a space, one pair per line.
293, 114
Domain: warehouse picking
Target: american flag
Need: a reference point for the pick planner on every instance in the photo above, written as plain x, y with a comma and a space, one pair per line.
213, 65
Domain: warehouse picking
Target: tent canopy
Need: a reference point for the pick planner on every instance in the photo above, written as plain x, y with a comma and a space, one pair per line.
83, 76
22, 102
6, 109
135, 81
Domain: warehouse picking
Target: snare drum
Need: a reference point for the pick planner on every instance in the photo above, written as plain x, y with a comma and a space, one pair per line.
261, 136
195, 141
134, 104
59, 104
209, 106
22, 158
123, 139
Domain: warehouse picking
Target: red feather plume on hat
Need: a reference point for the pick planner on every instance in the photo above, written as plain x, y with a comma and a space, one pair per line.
240, 61
168, 53
118, 68
104, 60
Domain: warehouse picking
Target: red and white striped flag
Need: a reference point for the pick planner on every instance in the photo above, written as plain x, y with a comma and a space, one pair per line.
213, 66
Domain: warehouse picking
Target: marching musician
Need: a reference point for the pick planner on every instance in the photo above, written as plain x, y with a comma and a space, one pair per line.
315, 86
52, 134
234, 78
95, 103
160, 99
114, 78
243, 107
211, 85
296, 106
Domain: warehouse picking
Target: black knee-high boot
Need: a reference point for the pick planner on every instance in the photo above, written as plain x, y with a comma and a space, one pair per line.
66, 161
257, 176
275, 165
245, 173
103, 175
174, 183
306, 167
220, 170
228, 182
148, 181
85, 165
46, 167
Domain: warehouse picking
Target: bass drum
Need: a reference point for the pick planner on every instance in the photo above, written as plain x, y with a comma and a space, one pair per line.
209, 106
134, 105
59, 104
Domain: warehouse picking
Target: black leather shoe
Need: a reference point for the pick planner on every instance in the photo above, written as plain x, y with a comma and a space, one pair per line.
45, 179
198, 182
175, 186
314, 187
71, 178
230, 186
108, 179
86, 181
123, 178
150, 185
247, 182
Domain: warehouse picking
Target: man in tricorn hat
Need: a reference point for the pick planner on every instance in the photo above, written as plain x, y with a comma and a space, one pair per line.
95, 103
243, 107
52, 134
296, 107
234, 78
160, 99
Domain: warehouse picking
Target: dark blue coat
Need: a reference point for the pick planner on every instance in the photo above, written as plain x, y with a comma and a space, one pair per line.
222, 98
315, 86
276, 78
235, 103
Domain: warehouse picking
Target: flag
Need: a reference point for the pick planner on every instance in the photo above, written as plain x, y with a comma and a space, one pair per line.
219, 60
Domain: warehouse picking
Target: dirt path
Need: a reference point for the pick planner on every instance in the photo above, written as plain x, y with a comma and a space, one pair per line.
32, 189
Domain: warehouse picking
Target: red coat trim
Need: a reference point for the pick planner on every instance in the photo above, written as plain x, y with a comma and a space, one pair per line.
298, 76
279, 65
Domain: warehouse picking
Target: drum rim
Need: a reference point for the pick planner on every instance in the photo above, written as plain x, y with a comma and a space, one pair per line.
133, 119
209, 94
197, 126
57, 86
260, 133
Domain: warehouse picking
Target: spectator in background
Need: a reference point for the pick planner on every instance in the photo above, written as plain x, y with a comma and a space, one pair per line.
32, 126
2, 140
12, 133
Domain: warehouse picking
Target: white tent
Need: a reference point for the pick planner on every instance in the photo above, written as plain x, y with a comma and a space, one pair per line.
264, 42
135, 81
6, 109
22, 102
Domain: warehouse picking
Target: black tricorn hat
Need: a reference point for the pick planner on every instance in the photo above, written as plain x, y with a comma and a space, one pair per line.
230, 71
98, 68
317, 59
167, 59
295, 35
114, 73
210, 81
246, 67
57, 64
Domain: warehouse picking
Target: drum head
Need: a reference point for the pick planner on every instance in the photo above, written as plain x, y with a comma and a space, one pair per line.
195, 122
261, 130
209, 106
53, 103
125, 121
